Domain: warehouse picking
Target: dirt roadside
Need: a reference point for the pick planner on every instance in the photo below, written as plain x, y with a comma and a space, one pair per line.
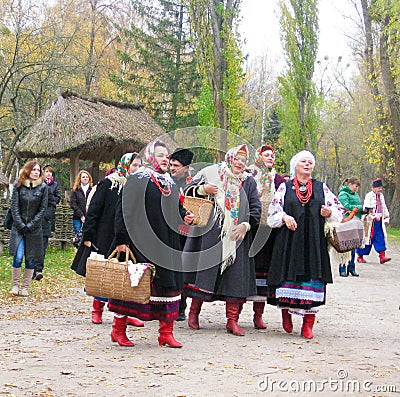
52, 348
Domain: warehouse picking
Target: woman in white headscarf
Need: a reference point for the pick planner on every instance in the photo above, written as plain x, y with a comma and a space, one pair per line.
300, 265
146, 221
219, 253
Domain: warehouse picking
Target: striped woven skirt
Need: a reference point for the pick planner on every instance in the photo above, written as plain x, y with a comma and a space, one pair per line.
301, 297
163, 305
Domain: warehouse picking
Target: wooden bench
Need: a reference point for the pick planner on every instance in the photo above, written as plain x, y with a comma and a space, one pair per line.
64, 241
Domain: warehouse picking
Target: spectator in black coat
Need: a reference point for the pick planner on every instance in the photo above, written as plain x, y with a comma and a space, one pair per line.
28, 205
49, 219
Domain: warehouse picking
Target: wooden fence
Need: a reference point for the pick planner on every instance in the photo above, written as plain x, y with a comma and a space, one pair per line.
61, 237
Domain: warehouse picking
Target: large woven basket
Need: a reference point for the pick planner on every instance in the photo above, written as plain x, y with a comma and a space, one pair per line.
201, 208
347, 236
110, 279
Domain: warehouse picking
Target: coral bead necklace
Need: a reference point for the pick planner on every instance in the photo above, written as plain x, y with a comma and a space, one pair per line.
165, 192
303, 191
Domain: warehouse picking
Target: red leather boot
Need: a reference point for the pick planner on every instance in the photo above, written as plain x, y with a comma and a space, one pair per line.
287, 323
118, 333
166, 336
135, 322
97, 311
195, 308
383, 258
306, 329
258, 309
360, 259
233, 310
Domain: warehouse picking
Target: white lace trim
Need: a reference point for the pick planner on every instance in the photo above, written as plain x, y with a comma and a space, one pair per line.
300, 312
165, 298
300, 294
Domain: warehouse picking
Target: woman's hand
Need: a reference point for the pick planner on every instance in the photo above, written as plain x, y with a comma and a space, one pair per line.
121, 248
87, 243
238, 232
210, 188
82, 219
189, 217
290, 222
325, 211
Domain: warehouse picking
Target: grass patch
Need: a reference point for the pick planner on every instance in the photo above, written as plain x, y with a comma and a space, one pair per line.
59, 280
393, 234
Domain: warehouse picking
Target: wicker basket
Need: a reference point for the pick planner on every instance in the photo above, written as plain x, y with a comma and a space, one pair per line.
110, 279
201, 208
347, 236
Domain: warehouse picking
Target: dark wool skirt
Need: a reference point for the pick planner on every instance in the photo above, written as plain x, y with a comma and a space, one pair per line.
193, 292
163, 306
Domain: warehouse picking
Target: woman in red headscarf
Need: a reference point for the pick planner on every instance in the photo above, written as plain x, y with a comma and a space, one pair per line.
268, 182
217, 255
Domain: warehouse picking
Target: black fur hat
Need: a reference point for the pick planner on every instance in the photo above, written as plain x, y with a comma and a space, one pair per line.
377, 182
184, 156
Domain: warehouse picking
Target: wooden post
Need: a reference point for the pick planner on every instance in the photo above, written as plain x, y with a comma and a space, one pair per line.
95, 172
74, 168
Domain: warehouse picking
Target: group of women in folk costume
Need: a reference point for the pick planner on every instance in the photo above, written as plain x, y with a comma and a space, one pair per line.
290, 269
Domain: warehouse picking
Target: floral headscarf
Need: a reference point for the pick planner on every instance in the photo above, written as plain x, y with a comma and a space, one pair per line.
125, 163
232, 183
264, 176
118, 178
149, 153
151, 167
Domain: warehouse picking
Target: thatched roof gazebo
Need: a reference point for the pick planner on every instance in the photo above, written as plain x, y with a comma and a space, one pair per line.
82, 128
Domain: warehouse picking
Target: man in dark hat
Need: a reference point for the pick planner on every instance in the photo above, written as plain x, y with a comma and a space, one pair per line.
179, 162
374, 203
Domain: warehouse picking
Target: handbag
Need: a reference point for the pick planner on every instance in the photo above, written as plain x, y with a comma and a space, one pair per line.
8, 219
201, 208
110, 278
347, 235
77, 239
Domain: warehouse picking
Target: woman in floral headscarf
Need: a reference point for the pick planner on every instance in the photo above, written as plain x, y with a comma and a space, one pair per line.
218, 254
146, 221
98, 229
268, 181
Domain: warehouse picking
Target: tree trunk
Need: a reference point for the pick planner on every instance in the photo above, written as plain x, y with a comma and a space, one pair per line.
392, 96
380, 114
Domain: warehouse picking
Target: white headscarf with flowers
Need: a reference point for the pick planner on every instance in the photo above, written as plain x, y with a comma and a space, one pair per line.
151, 167
227, 199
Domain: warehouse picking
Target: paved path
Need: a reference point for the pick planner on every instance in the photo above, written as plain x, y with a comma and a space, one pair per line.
52, 349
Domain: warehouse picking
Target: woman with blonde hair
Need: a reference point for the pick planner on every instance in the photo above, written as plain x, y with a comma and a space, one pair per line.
28, 206
80, 192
